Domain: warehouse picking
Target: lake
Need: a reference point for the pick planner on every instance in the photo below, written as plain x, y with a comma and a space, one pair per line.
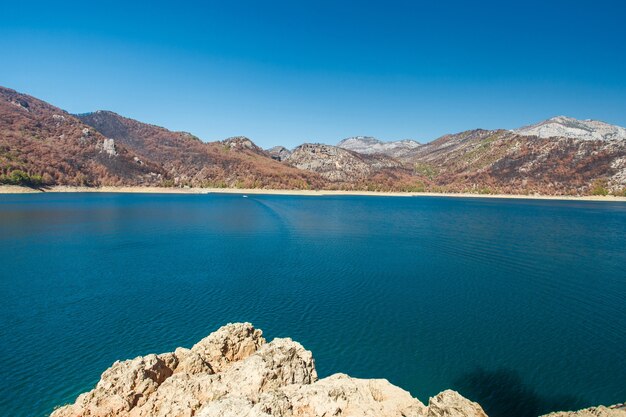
517, 304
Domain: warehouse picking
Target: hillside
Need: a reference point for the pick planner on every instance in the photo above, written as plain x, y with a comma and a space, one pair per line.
235, 162
502, 161
42, 144
348, 170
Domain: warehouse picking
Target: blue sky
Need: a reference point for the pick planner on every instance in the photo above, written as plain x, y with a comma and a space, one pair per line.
286, 72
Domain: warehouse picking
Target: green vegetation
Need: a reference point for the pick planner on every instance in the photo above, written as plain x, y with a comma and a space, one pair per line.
300, 184
214, 184
425, 170
168, 183
599, 187
7, 154
19, 177
418, 187
485, 153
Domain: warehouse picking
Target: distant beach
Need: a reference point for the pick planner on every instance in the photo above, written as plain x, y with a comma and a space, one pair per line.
13, 189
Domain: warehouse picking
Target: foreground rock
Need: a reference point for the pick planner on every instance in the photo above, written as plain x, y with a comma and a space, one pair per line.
614, 411
235, 372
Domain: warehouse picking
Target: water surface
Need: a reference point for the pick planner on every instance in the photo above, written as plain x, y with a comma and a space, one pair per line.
518, 304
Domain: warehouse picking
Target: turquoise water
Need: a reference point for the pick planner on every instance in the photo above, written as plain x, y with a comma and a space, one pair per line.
518, 304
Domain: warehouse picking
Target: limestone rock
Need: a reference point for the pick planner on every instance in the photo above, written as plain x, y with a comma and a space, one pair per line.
123, 386
277, 364
228, 344
234, 372
279, 153
340, 395
369, 146
568, 127
107, 145
128, 384
600, 411
451, 404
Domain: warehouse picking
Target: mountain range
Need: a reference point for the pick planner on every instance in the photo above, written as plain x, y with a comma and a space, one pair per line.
368, 145
42, 145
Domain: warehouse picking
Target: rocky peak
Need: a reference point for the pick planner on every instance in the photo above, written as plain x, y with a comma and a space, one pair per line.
16, 99
110, 124
338, 164
568, 127
241, 142
359, 140
279, 153
368, 145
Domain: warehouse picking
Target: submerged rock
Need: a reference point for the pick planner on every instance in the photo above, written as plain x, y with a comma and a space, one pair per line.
235, 372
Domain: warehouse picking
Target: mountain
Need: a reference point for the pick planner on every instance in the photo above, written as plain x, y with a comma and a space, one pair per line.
234, 162
503, 161
337, 164
347, 169
279, 153
568, 127
368, 145
41, 144
245, 144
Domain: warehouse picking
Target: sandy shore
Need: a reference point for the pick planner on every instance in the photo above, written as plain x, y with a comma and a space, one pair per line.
13, 189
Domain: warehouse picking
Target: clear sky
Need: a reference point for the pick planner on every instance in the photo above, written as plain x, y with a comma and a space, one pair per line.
286, 72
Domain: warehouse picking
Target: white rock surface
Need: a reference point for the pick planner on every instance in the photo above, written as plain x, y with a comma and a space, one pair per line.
592, 412
568, 127
108, 146
368, 145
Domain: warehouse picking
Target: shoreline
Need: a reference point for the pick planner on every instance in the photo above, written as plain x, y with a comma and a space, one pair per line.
15, 189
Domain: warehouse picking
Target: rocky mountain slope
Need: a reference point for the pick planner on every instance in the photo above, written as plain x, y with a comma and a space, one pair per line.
235, 372
568, 127
42, 144
234, 162
367, 145
502, 161
279, 153
347, 169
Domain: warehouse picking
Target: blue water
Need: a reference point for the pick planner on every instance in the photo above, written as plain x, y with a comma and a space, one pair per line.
518, 304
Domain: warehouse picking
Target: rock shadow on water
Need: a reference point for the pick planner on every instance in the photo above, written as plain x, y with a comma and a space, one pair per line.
503, 393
